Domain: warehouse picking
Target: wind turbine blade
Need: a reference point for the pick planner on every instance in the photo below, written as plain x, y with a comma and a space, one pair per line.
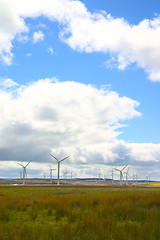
117, 169
64, 159
20, 165
54, 157
27, 164
124, 167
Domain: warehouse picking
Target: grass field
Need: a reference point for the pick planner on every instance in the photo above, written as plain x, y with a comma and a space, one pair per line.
37, 213
149, 184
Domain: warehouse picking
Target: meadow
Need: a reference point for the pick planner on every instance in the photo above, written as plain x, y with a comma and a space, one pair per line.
45, 213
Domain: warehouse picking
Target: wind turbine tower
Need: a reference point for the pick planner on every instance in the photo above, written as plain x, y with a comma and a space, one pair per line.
58, 162
24, 170
121, 173
112, 176
71, 174
127, 175
51, 169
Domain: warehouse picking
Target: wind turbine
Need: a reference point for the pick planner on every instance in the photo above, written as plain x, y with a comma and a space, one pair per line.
112, 176
121, 173
24, 170
58, 161
65, 175
135, 177
71, 174
100, 175
127, 175
51, 169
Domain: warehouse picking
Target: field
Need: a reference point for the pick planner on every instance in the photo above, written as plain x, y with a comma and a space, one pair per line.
105, 213
149, 184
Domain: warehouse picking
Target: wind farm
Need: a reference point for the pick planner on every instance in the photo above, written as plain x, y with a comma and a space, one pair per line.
61, 205
120, 176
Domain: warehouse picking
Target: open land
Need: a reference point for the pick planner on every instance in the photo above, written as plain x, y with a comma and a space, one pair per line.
79, 212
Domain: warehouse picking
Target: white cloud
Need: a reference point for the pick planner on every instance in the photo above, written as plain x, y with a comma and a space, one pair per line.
29, 54
50, 50
7, 83
22, 38
132, 44
83, 31
59, 115
11, 24
38, 36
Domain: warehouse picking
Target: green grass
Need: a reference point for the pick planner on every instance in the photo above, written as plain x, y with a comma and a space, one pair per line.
79, 213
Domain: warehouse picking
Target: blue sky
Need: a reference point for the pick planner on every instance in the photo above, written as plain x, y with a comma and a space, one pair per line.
101, 61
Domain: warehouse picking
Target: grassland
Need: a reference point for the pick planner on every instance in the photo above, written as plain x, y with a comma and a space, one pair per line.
36, 213
149, 184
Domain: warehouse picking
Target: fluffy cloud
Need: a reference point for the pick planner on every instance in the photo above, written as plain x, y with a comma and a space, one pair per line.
83, 31
49, 114
69, 118
38, 36
11, 25
62, 109
128, 44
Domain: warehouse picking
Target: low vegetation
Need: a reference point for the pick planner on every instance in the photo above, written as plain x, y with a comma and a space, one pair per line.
149, 184
31, 213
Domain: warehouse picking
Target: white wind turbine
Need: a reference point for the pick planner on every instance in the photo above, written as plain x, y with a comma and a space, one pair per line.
121, 173
135, 177
24, 170
58, 161
65, 175
51, 169
112, 176
127, 175
71, 174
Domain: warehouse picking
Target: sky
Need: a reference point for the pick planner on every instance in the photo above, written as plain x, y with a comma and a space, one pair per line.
80, 78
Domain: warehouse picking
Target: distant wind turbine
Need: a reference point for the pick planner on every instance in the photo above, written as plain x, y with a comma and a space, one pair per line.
71, 174
65, 175
51, 169
127, 175
58, 161
24, 170
112, 176
121, 173
135, 177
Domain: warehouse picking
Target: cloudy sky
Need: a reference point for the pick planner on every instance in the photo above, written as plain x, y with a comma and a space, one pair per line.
80, 78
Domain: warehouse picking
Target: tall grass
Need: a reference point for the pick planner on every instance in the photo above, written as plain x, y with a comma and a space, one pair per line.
83, 213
